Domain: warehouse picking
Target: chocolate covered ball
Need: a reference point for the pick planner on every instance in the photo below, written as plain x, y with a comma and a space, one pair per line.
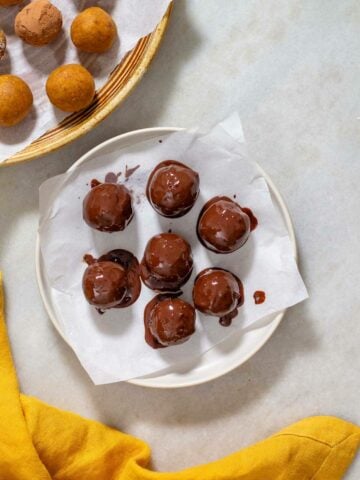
93, 30
16, 100
223, 226
113, 280
104, 284
108, 207
172, 188
168, 321
167, 262
218, 293
70, 87
38, 23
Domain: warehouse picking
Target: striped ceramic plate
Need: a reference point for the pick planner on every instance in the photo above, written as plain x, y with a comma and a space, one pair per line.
121, 81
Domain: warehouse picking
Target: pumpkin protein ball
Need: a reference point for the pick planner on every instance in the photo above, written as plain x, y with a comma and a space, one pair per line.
70, 87
93, 30
38, 23
16, 100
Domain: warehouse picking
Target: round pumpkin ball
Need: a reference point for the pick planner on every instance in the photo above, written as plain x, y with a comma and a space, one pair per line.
39, 23
70, 87
16, 100
9, 3
93, 30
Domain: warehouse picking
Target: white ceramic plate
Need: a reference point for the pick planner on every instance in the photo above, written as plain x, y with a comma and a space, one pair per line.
224, 357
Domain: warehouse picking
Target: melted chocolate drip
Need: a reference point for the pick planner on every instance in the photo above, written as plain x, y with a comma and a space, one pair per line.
131, 265
253, 220
112, 177
94, 183
226, 320
130, 171
259, 297
89, 259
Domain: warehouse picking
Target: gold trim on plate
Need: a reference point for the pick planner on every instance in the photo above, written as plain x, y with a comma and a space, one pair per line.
121, 82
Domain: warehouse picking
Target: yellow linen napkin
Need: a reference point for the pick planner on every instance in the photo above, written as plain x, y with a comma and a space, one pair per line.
39, 442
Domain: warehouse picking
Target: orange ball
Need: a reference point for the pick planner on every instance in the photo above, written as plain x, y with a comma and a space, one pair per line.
93, 30
38, 23
70, 87
16, 100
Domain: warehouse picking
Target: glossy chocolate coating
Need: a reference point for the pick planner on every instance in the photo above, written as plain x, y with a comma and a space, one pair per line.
172, 188
168, 321
167, 262
223, 226
108, 207
129, 262
104, 284
113, 280
218, 293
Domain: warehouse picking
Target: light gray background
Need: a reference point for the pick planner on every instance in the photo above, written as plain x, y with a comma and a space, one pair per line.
291, 68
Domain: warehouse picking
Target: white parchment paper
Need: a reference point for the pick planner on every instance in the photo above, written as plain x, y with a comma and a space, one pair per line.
111, 347
134, 20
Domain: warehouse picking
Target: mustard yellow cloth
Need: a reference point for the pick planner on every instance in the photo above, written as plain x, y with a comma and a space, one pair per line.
39, 442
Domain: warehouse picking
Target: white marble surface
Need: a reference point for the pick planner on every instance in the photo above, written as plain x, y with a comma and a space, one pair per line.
291, 68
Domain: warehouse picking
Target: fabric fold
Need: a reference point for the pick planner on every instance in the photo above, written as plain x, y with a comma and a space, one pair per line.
40, 442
